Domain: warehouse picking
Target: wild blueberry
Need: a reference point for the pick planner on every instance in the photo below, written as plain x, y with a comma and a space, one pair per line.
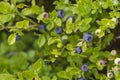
117, 61
78, 50
88, 37
18, 37
45, 15
102, 62
113, 52
60, 13
59, 30
81, 78
71, 17
109, 74
84, 67
42, 27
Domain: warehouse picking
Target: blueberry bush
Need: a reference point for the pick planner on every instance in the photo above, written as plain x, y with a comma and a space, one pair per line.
60, 40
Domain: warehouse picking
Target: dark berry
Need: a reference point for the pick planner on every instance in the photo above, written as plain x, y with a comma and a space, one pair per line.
42, 27
59, 30
18, 37
88, 37
78, 50
82, 79
60, 13
84, 67
71, 17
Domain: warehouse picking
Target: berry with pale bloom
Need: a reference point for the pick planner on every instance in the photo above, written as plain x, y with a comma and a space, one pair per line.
84, 67
109, 74
45, 15
113, 52
117, 61
97, 32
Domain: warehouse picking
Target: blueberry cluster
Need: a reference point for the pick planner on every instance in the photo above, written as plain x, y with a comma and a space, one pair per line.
59, 29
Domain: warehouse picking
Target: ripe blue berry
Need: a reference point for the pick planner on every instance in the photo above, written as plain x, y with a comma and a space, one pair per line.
78, 50
84, 67
18, 37
42, 27
82, 79
60, 13
71, 17
59, 30
88, 37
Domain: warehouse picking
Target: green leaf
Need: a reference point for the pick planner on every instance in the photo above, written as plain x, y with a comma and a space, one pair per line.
51, 40
104, 5
46, 78
63, 74
58, 21
69, 47
96, 74
26, 11
6, 18
82, 9
37, 65
22, 24
59, 45
39, 17
13, 2
6, 76
69, 26
54, 14
50, 26
114, 14
55, 52
6, 8
28, 75
117, 77
106, 23
87, 20
32, 10
33, 3
36, 9
84, 27
21, 5
85, 24
54, 78
41, 41
21, 58
72, 70
84, 46
12, 39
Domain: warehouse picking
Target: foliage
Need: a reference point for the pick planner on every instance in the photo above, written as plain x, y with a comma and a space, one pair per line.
77, 36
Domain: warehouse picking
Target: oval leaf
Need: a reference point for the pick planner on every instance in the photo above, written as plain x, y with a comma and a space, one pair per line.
41, 41
11, 39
